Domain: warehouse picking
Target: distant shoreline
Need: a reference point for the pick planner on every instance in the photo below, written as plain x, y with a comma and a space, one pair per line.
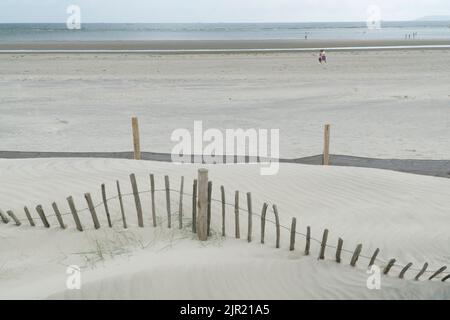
216, 46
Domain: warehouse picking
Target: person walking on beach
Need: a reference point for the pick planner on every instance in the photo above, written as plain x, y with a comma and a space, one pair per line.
322, 57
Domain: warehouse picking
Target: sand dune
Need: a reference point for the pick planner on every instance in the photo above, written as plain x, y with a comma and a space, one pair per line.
405, 215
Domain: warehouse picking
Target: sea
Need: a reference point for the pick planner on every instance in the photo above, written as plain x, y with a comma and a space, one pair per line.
18, 32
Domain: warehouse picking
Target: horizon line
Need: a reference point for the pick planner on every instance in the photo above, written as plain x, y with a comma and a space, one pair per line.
235, 22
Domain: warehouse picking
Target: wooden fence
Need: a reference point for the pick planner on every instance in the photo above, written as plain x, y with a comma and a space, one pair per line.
201, 221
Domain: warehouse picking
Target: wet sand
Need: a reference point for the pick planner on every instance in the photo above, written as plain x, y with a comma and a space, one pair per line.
212, 44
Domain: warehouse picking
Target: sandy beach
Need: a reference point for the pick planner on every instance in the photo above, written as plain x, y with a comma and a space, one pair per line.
404, 215
385, 104
341, 184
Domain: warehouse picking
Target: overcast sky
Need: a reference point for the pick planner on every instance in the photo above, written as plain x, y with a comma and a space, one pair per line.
218, 10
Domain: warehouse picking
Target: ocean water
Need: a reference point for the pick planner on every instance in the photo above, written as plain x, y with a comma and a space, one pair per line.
225, 31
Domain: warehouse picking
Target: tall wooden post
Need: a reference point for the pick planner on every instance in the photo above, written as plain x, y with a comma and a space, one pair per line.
136, 139
326, 146
202, 205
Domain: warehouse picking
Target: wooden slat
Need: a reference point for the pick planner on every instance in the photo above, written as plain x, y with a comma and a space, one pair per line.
339, 250
277, 225
237, 231
250, 217
323, 244
137, 200
209, 207
122, 211
374, 257
41, 213
405, 268
105, 204
293, 230
152, 195
169, 213
91, 207
389, 266
58, 215
422, 271
13, 216
222, 192
356, 255
438, 272
4, 217
194, 206
202, 203
308, 240
28, 214
263, 221
74, 213
180, 207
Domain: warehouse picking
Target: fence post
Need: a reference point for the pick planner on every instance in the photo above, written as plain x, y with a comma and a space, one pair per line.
180, 209
424, 268
136, 138
356, 255
13, 216
263, 221
202, 203
250, 217
30, 219
58, 215
152, 194
194, 206
293, 227
209, 207
105, 203
389, 266
339, 250
137, 200
326, 146
122, 211
222, 191
277, 225
74, 213
308, 240
4, 217
374, 257
323, 244
237, 230
41, 213
402, 273
169, 215
92, 210
442, 269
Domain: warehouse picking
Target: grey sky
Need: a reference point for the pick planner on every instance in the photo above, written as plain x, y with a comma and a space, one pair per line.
217, 10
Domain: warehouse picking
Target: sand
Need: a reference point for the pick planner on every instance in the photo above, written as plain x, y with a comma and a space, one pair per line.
212, 44
385, 104
404, 215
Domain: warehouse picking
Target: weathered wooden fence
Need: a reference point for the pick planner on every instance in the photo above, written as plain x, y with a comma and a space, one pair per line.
202, 214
